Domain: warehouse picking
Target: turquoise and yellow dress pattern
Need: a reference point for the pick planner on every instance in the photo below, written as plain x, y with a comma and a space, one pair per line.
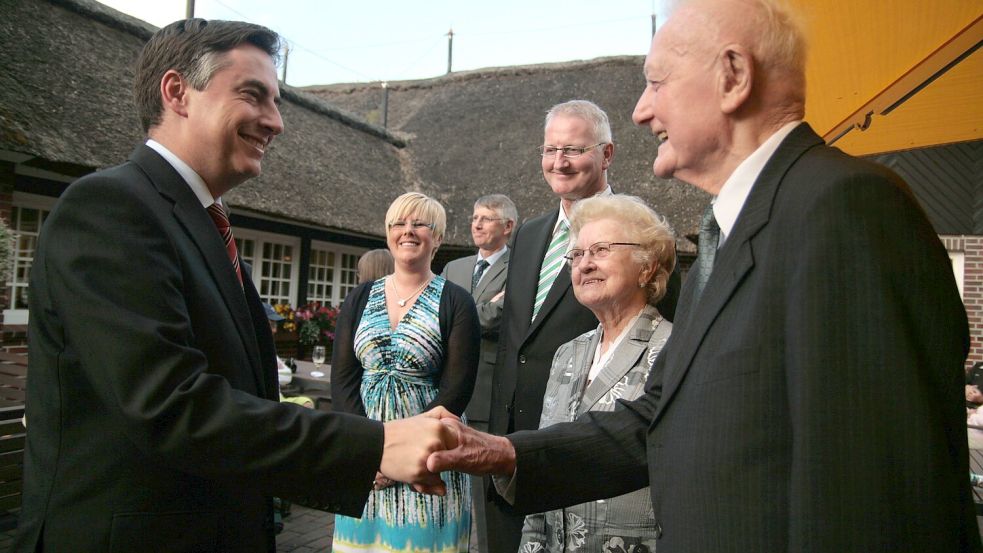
401, 370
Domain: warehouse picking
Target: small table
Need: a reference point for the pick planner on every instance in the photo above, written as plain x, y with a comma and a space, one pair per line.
317, 388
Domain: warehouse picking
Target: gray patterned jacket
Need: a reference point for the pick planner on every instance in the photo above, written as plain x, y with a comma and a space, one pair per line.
622, 524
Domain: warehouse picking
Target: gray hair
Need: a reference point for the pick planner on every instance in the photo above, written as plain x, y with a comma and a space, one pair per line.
589, 112
643, 225
500, 204
771, 29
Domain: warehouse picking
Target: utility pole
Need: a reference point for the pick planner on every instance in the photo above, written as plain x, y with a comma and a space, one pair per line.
385, 104
450, 49
653, 23
189, 10
286, 57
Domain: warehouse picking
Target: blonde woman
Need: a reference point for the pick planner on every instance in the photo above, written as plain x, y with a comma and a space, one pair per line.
406, 343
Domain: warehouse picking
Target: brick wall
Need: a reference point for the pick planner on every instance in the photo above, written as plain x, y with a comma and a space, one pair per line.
6, 201
971, 248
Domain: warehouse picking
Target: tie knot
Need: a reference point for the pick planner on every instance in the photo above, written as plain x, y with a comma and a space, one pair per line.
482, 264
219, 217
709, 222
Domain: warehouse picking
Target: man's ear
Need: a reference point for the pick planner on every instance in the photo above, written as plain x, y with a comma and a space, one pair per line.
174, 93
509, 227
608, 153
736, 67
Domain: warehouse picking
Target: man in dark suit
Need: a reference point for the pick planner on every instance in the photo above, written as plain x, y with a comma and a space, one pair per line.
810, 398
151, 403
492, 222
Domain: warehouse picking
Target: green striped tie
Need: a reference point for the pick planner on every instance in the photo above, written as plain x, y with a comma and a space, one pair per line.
552, 264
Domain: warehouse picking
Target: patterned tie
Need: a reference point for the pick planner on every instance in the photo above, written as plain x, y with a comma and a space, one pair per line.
709, 238
552, 264
221, 220
476, 277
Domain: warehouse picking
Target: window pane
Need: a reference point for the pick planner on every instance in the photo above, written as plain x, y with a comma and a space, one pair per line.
25, 224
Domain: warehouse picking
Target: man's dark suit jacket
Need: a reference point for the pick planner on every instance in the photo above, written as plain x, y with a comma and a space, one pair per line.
151, 403
811, 400
460, 272
526, 350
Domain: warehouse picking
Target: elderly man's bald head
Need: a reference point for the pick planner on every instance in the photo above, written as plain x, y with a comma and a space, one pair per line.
770, 30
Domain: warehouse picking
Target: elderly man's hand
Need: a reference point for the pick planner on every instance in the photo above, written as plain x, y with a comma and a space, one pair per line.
973, 394
476, 453
408, 444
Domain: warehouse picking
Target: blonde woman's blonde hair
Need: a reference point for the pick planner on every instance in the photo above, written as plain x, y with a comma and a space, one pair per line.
643, 225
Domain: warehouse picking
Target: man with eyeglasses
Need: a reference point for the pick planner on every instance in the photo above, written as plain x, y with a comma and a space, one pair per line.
493, 220
540, 311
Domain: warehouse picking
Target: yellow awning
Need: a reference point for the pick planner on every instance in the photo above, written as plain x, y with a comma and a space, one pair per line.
866, 56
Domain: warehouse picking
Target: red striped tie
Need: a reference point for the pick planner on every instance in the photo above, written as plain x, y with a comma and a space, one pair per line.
221, 220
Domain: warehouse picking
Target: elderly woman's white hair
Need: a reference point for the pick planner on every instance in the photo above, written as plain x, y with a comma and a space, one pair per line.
643, 225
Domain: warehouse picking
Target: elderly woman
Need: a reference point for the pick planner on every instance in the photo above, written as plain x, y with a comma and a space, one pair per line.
406, 343
622, 257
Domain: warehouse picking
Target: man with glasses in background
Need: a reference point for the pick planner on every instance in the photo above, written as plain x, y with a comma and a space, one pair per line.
540, 311
493, 220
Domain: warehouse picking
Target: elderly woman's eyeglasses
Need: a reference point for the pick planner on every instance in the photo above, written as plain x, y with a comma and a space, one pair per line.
400, 226
566, 151
598, 250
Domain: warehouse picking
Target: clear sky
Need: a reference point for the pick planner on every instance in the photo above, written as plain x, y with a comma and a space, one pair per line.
338, 41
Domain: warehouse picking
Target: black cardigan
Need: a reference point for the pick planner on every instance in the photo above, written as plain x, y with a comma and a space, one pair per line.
460, 334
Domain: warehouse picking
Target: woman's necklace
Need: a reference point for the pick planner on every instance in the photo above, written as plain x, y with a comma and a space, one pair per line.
402, 301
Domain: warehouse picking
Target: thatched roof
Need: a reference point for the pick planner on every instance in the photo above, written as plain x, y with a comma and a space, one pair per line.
66, 103
475, 132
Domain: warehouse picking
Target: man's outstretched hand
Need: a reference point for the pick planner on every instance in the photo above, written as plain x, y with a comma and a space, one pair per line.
474, 452
408, 444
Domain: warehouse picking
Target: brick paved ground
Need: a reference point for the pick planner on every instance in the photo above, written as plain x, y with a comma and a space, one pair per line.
305, 531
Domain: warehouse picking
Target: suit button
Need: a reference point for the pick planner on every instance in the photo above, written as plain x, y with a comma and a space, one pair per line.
522, 359
658, 530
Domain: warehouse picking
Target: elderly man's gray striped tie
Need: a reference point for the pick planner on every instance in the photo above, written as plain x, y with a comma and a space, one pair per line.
707, 250
552, 263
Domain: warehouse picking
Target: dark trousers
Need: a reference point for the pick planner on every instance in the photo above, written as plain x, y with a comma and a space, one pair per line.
503, 526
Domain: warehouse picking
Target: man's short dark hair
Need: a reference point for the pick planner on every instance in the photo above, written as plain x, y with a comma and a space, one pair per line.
194, 48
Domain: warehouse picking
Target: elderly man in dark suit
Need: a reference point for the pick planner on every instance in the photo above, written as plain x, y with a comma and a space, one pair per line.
152, 400
810, 397
492, 222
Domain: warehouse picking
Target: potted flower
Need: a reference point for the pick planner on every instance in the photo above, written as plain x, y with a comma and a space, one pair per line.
286, 336
316, 325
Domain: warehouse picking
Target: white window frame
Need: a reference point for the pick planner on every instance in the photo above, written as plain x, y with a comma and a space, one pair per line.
28, 201
336, 298
260, 238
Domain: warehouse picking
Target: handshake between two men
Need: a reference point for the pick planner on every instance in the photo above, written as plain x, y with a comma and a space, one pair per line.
419, 448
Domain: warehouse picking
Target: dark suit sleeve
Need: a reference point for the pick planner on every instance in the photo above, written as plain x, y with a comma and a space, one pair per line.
605, 450
892, 305
116, 287
346, 369
462, 344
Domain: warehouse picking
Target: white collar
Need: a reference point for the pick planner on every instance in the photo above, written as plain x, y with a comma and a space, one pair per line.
729, 202
563, 216
491, 259
189, 175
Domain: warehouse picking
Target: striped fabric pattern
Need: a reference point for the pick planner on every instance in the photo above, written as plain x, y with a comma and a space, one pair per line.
401, 374
221, 220
552, 263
